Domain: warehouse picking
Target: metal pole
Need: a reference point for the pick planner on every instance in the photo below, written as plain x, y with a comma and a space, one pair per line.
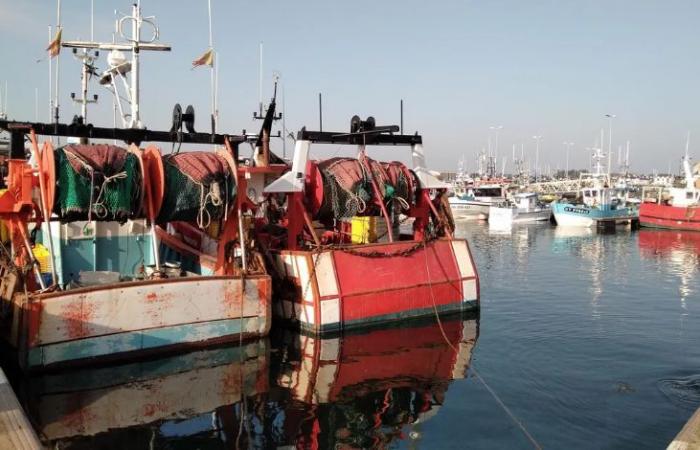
58, 59
401, 129
136, 36
320, 113
284, 126
211, 75
260, 81
50, 81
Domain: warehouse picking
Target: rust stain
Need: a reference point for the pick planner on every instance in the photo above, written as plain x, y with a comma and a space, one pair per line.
232, 299
150, 409
154, 297
231, 381
76, 316
76, 419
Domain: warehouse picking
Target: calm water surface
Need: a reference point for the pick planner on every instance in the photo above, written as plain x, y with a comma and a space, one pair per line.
586, 340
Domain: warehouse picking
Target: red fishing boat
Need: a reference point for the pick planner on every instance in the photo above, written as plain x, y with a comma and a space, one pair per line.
337, 236
680, 209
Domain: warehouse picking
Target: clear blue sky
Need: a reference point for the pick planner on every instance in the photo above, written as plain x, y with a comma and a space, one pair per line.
549, 67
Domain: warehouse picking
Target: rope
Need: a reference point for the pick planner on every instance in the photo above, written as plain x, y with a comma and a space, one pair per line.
512, 416
99, 202
495, 396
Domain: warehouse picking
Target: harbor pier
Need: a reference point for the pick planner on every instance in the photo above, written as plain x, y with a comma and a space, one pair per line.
16, 433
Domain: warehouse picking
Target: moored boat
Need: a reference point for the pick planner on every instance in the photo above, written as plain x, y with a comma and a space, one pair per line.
597, 202
524, 208
94, 301
335, 284
475, 201
681, 210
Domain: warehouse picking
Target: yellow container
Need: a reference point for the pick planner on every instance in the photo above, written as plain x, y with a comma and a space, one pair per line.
363, 229
43, 256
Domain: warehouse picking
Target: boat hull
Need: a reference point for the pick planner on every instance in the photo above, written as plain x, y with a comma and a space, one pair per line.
355, 287
465, 209
653, 215
568, 215
507, 216
124, 320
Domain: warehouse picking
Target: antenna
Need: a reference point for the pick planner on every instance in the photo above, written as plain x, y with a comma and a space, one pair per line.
119, 66
260, 81
401, 128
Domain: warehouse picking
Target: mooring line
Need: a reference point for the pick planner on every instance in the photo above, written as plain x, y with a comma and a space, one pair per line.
517, 421
495, 396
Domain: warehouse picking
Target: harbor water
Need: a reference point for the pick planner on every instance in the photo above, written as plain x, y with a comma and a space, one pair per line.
584, 340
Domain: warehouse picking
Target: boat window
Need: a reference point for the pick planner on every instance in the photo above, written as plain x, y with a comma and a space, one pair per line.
689, 195
487, 192
594, 193
586, 193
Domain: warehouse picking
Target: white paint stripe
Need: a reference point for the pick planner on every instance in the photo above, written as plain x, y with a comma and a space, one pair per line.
469, 290
464, 260
325, 274
330, 311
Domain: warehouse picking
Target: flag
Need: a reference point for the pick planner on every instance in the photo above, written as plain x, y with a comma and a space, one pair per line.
207, 59
54, 47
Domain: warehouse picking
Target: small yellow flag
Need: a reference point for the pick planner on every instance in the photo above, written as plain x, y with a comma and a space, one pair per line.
207, 59
54, 47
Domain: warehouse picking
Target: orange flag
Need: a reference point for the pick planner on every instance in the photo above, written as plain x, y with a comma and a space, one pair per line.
54, 47
207, 59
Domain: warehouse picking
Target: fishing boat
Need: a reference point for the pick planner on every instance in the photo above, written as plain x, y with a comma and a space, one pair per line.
83, 277
101, 290
524, 207
475, 201
339, 272
679, 209
596, 202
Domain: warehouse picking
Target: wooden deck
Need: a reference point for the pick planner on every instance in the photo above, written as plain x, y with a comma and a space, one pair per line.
689, 436
15, 431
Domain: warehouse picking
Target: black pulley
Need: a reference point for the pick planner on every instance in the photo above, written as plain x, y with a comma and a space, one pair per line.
369, 124
355, 124
188, 118
177, 118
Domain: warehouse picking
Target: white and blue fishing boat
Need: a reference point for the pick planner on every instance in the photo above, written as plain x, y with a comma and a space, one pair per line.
596, 202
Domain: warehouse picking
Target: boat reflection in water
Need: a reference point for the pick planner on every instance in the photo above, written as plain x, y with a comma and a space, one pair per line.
680, 252
359, 390
362, 390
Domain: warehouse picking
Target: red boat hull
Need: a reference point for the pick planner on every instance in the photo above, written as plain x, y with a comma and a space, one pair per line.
358, 286
653, 215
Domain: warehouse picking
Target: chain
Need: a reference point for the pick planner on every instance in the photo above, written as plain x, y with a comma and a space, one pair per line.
379, 254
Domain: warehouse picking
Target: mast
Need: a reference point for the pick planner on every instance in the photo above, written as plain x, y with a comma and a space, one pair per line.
119, 67
58, 59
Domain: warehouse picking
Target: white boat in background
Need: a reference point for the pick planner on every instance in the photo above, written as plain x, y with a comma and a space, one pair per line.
475, 201
525, 207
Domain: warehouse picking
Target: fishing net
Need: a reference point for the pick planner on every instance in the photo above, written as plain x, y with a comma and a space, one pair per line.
199, 187
97, 182
347, 186
404, 182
